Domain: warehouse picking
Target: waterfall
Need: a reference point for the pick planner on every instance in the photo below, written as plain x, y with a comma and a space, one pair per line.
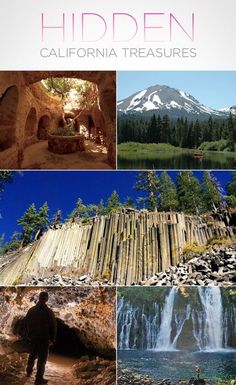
193, 319
150, 327
212, 317
163, 341
126, 319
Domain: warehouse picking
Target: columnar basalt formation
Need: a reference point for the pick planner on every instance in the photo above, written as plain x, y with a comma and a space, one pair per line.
125, 247
28, 113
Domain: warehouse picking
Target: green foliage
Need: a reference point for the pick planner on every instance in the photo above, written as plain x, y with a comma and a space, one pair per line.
218, 145
140, 296
231, 189
212, 196
13, 245
143, 147
101, 208
80, 211
59, 86
179, 132
189, 193
42, 217
129, 203
34, 222
148, 182
56, 218
87, 92
168, 199
63, 131
113, 203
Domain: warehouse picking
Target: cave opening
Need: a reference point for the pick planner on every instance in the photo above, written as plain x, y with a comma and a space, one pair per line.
68, 342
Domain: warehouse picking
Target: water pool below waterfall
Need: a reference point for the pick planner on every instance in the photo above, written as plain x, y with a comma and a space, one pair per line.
179, 365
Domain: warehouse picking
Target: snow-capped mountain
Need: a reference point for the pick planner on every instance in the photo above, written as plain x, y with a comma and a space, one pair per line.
229, 110
161, 99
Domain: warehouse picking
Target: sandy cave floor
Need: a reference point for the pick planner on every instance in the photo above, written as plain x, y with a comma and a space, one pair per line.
58, 372
37, 156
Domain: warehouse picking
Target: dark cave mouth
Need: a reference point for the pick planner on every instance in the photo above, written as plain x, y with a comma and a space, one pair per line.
68, 342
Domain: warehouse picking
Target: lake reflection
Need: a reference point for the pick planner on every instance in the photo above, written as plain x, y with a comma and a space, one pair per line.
175, 160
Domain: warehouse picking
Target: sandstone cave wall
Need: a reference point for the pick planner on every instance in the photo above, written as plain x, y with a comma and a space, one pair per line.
23, 110
25, 100
91, 312
123, 247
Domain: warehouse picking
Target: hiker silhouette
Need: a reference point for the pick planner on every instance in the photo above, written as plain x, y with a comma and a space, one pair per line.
41, 330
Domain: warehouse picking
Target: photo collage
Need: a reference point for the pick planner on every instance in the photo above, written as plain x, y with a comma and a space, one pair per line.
117, 227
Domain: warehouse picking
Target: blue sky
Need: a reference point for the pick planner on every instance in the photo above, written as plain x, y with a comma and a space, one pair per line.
61, 189
216, 89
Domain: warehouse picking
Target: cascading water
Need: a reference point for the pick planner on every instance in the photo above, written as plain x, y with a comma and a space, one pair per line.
127, 319
196, 319
163, 341
212, 328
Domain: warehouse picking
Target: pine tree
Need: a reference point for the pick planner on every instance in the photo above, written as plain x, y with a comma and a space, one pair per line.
12, 245
113, 202
148, 182
42, 220
168, 199
29, 222
231, 190
189, 193
212, 196
79, 212
152, 130
56, 218
129, 202
101, 208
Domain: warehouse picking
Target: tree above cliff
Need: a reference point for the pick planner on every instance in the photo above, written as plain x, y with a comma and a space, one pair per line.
148, 182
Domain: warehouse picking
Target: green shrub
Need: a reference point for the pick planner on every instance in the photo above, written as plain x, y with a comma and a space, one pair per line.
219, 145
63, 131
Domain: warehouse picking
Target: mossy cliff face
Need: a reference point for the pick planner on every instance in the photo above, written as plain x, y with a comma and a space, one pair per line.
89, 311
126, 247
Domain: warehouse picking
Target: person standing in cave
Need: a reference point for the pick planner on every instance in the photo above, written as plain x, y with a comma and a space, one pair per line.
41, 329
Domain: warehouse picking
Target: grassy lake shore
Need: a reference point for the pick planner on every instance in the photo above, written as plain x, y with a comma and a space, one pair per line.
165, 156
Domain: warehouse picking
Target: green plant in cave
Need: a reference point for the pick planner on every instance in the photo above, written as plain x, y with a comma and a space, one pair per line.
87, 94
63, 131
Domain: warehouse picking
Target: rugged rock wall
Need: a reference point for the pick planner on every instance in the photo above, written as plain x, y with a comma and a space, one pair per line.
89, 311
24, 112
126, 248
